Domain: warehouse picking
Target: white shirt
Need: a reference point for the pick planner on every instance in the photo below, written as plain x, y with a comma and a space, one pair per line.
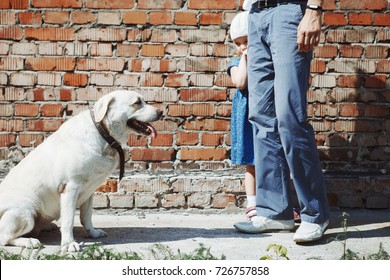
248, 4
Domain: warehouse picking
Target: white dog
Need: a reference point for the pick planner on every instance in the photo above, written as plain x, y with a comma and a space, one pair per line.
63, 172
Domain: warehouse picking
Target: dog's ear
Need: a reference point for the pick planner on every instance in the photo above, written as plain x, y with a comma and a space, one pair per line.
101, 106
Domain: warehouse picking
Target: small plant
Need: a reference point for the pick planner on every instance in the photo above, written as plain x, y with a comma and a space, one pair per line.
162, 252
96, 252
279, 251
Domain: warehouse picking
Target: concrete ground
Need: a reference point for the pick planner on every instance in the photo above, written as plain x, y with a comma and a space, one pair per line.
138, 231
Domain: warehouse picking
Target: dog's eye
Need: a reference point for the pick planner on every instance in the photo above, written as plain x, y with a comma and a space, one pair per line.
138, 101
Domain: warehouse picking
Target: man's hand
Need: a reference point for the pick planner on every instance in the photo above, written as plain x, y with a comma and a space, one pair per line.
309, 31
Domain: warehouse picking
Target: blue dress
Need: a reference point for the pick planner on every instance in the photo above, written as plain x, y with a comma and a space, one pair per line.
241, 132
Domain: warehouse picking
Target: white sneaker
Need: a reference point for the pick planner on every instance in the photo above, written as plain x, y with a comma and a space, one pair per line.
260, 224
308, 232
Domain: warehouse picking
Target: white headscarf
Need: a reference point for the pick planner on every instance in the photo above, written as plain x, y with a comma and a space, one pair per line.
239, 25
248, 4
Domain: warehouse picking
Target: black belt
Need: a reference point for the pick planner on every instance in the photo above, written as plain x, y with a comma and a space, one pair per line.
111, 142
273, 3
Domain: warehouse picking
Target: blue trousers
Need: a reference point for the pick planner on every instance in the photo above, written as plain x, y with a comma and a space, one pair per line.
284, 141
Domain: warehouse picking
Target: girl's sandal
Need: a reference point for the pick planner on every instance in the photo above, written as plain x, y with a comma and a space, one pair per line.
250, 212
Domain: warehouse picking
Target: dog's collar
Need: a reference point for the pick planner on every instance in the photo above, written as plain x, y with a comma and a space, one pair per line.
101, 128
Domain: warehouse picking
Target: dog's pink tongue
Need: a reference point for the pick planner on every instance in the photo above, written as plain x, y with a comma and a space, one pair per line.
153, 131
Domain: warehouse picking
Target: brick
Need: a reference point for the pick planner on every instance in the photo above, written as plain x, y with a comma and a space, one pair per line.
54, 64
360, 18
205, 36
6, 110
186, 18
101, 34
351, 51
214, 140
203, 154
203, 95
14, 4
13, 33
146, 200
152, 154
52, 110
7, 140
201, 50
152, 50
108, 18
109, 4
30, 140
151, 79
82, 17
121, 201
7, 18
317, 66
11, 63
75, 79
205, 65
110, 185
57, 3
30, 18
383, 35
164, 140
375, 81
210, 18
22, 79
177, 80
127, 50
50, 34
335, 19
24, 48
44, 125
101, 64
137, 184
349, 81
128, 80
212, 5
208, 125
54, 17
160, 18
383, 66
322, 81
179, 110
325, 52
187, 138
4, 48
26, 110
49, 79
363, 5
377, 51
160, 5
100, 200
135, 17
173, 201
203, 109
101, 49
199, 200
100, 79
3, 79
11, 125
222, 200
176, 50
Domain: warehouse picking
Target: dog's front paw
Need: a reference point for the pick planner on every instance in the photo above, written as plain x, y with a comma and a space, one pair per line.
96, 233
72, 246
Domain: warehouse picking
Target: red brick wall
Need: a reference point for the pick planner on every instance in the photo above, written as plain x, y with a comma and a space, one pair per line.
59, 56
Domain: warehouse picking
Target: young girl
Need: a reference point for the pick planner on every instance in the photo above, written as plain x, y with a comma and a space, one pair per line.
241, 134
241, 129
